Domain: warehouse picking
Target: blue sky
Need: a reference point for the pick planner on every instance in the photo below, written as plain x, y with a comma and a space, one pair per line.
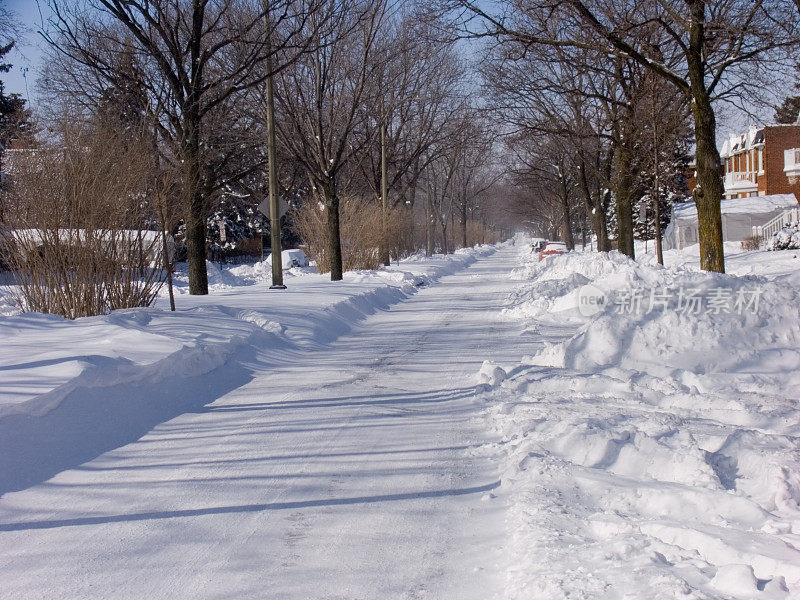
27, 55
28, 52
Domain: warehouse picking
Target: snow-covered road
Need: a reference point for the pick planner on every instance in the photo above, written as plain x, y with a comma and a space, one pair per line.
337, 471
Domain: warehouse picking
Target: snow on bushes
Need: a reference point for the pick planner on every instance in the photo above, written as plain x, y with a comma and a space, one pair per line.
787, 238
651, 450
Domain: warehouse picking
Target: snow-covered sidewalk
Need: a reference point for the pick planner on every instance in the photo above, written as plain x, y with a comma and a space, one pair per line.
309, 470
45, 357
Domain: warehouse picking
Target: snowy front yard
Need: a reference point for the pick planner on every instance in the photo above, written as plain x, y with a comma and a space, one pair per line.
482, 425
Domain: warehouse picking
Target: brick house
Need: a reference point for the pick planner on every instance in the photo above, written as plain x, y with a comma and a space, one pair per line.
762, 162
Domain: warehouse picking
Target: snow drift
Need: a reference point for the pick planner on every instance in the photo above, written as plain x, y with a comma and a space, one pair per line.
45, 358
649, 449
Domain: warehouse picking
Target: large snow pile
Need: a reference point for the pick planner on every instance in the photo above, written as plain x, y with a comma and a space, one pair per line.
650, 449
659, 320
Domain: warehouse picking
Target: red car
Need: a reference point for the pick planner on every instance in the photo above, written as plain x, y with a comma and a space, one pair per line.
552, 248
538, 245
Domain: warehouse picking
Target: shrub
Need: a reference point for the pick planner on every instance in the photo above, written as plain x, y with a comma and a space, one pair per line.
477, 233
361, 227
752, 243
787, 238
78, 244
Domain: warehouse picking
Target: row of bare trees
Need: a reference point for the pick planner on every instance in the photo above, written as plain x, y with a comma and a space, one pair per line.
183, 68
594, 71
589, 137
599, 104
367, 105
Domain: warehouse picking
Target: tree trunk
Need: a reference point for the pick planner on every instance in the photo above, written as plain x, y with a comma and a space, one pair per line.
196, 244
334, 233
599, 217
659, 249
605, 202
594, 207
710, 189
622, 185
566, 217
193, 184
583, 232
430, 225
167, 262
194, 206
464, 224
657, 217
410, 202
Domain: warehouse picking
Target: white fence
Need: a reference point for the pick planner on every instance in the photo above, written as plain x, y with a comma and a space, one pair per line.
773, 226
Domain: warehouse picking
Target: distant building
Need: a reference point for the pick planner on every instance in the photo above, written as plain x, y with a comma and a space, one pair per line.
762, 162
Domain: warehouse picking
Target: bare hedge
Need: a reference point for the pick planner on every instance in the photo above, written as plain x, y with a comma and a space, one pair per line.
77, 238
361, 225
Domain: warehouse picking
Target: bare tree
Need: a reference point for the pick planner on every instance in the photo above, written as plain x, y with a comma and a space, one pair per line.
417, 94
320, 106
193, 57
568, 96
590, 103
475, 171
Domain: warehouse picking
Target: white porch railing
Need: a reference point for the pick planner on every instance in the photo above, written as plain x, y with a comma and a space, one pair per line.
774, 225
741, 180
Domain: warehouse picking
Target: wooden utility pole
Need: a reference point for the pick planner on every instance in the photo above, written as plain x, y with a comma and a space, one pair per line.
272, 154
386, 258
656, 190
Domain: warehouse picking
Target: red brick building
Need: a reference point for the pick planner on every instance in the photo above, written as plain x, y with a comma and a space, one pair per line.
762, 162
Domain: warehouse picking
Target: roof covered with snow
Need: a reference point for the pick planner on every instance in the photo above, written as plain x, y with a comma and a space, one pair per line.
740, 142
687, 211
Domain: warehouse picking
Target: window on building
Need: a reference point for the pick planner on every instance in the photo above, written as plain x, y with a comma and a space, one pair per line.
791, 162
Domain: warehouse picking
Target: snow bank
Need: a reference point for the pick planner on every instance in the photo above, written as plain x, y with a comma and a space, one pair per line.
45, 358
120, 349
663, 321
649, 451
781, 265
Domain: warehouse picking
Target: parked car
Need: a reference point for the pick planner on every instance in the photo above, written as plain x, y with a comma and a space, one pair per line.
552, 248
538, 245
291, 258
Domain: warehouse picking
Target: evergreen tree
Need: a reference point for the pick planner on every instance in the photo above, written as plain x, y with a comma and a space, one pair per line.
789, 111
672, 188
15, 118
